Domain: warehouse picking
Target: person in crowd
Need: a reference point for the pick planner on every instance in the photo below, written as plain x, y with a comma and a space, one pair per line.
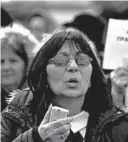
37, 25
15, 59
119, 79
64, 73
40, 23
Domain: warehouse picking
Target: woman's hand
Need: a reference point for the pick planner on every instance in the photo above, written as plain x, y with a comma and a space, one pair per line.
119, 79
56, 131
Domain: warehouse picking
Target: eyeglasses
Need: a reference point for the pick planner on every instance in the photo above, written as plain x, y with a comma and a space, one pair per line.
62, 60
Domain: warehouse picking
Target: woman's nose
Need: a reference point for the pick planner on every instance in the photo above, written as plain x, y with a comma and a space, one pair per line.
72, 66
6, 65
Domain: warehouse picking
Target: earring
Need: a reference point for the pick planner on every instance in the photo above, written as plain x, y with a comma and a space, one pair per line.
46, 86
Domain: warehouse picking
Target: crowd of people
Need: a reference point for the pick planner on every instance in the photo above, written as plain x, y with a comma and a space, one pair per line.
43, 68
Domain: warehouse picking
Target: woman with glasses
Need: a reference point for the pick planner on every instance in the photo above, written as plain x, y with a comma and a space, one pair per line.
65, 74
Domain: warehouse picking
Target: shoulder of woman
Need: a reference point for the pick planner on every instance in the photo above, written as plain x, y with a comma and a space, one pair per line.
118, 125
120, 128
17, 110
120, 122
20, 98
120, 116
116, 118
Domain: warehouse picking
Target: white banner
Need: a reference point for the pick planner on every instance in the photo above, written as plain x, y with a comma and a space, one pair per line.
116, 47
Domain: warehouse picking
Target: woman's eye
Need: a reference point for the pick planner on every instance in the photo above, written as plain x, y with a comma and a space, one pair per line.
13, 61
2, 61
81, 64
60, 60
58, 63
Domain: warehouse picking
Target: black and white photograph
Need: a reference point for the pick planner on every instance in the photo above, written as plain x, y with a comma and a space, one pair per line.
64, 71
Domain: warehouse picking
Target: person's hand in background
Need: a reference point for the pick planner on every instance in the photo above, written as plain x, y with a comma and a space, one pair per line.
119, 78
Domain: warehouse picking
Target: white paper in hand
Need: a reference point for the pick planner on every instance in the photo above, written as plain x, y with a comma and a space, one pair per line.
58, 113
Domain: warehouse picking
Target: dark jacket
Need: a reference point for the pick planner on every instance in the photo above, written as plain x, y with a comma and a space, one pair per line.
19, 123
4, 95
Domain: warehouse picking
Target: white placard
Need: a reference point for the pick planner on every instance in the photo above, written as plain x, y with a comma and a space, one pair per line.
116, 46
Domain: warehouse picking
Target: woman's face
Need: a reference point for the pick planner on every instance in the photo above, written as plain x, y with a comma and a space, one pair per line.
12, 68
70, 80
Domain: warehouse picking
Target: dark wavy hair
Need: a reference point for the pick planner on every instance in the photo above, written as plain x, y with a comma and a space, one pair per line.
98, 99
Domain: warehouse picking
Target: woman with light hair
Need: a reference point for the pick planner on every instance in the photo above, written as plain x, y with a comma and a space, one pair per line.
17, 44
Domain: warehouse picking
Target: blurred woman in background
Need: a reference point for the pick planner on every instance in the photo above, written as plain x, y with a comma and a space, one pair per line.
15, 59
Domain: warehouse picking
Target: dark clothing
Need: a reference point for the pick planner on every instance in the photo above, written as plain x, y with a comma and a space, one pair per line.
6, 19
19, 123
4, 95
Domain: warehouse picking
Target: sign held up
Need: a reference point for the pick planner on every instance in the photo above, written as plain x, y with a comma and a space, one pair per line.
116, 46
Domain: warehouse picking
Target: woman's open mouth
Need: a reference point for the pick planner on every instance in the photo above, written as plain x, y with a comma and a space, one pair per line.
72, 82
